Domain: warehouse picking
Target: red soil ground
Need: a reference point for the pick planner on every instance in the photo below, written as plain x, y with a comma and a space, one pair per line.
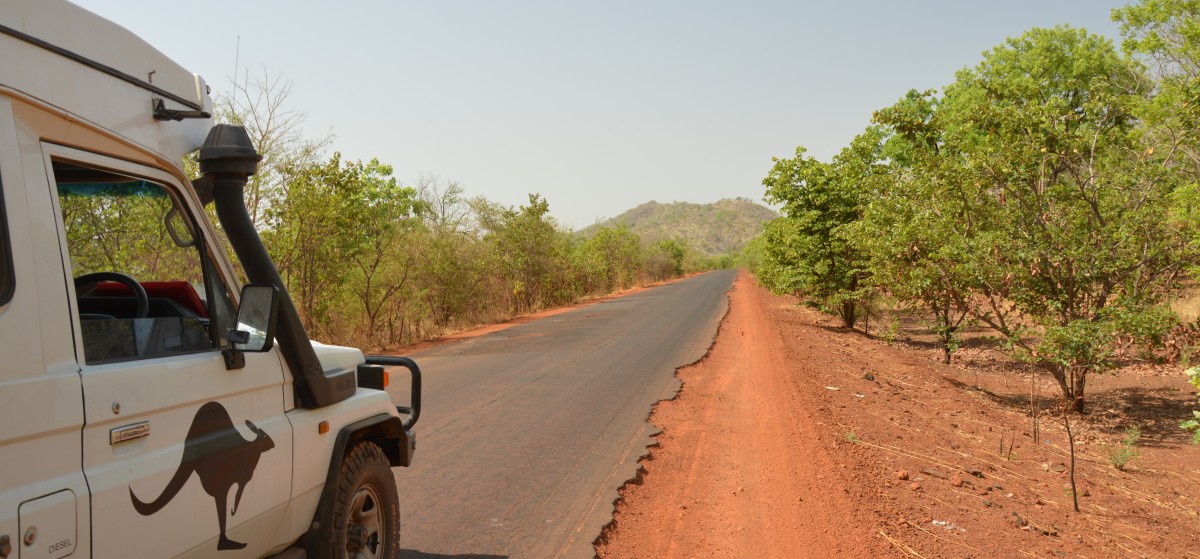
797, 438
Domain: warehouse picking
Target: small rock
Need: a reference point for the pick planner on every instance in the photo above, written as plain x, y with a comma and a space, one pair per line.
987, 503
914, 487
1009, 495
902, 475
869, 376
1086, 492
934, 473
974, 472
956, 481
1037, 530
1018, 521
1059, 468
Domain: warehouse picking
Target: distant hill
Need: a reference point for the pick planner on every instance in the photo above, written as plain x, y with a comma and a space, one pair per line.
711, 229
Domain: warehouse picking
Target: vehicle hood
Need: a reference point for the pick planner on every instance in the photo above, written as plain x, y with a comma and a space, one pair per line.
337, 357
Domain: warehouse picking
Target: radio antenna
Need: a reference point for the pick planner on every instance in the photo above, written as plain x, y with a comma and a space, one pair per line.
237, 53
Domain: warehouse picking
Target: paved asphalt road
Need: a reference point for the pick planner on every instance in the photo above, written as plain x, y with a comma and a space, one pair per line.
527, 433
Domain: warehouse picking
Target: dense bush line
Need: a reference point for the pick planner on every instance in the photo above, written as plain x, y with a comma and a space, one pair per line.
375, 263
371, 262
1048, 193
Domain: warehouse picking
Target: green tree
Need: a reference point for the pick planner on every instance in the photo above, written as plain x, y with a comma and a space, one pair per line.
387, 214
614, 254
916, 236
332, 236
809, 250
674, 250
1165, 34
1077, 244
750, 257
451, 255
529, 248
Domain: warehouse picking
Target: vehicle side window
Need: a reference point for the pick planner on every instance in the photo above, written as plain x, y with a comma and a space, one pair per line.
143, 282
7, 279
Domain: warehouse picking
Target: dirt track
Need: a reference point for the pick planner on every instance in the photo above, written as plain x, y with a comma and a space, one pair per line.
797, 438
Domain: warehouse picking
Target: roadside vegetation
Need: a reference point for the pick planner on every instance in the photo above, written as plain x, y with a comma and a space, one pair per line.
1048, 194
373, 262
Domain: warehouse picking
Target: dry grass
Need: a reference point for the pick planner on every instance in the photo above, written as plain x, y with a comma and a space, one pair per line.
1186, 304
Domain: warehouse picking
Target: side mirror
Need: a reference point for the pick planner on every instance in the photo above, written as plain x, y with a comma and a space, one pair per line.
256, 318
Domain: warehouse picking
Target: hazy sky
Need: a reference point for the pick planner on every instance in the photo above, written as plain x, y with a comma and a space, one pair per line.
599, 105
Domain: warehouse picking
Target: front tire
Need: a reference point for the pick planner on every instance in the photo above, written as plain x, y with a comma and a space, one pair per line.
365, 516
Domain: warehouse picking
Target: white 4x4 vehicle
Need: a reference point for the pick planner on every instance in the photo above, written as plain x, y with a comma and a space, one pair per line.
148, 408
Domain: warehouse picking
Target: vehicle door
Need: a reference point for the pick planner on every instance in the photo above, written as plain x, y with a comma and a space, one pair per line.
183, 455
43, 496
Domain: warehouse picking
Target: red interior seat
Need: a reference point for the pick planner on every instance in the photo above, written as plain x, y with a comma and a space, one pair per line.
181, 292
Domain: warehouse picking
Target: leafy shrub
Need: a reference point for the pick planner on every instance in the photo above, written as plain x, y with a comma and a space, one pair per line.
1193, 424
1121, 456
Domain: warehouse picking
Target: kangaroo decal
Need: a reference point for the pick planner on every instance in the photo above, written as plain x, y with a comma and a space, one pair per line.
218, 454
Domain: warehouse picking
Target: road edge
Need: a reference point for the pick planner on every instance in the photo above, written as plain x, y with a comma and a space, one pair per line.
655, 444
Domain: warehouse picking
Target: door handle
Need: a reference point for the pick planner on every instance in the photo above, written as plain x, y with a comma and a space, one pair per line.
129, 432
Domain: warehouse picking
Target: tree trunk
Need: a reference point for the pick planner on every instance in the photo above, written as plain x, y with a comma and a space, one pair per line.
1071, 439
1071, 380
947, 332
1077, 394
848, 314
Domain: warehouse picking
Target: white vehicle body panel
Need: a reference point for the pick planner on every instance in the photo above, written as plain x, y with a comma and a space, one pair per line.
95, 97
84, 443
39, 377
